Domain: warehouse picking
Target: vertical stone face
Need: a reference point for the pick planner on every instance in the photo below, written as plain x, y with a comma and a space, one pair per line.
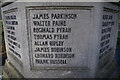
60, 40
55, 37
109, 23
12, 31
108, 38
12, 34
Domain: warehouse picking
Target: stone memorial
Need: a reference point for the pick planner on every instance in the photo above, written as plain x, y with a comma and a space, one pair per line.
60, 39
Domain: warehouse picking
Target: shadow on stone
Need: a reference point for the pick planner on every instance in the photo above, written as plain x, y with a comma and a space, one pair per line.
2, 59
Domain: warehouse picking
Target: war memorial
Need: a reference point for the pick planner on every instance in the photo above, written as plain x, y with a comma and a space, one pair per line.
60, 39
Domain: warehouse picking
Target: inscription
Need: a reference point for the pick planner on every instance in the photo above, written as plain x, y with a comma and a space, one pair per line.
51, 34
12, 33
55, 29
108, 23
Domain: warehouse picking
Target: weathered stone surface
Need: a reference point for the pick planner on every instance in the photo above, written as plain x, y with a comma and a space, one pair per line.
9, 71
60, 40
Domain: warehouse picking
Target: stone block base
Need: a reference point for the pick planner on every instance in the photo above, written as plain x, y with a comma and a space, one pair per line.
9, 71
107, 71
